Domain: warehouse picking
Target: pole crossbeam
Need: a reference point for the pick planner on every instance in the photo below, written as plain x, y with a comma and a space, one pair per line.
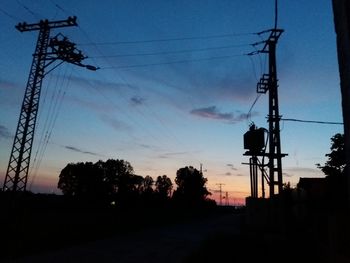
17, 171
23, 27
274, 36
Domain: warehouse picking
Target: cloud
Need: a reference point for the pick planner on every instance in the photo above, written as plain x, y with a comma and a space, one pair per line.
114, 123
5, 84
136, 100
301, 171
149, 147
75, 149
146, 146
201, 84
232, 174
231, 166
4, 132
92, 105
287, 174
102, 85
236, 87
212, 112
223, 82
171, 154
11, 93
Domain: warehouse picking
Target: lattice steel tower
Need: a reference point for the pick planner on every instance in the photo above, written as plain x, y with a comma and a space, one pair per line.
60, 49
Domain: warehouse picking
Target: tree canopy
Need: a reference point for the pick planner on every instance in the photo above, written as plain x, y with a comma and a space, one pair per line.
334, 168
190, 186
114, 180
164, 186
335, 163
81, 179
147, 185
99, 179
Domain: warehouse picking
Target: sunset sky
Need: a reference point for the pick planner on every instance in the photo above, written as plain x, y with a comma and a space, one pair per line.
174, 86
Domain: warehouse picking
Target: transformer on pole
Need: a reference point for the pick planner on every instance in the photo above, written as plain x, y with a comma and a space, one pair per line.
60, 49
255, 143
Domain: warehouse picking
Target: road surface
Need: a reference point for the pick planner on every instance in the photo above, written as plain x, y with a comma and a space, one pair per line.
171, 244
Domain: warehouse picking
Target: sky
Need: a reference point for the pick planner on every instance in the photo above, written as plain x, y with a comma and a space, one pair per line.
174, 87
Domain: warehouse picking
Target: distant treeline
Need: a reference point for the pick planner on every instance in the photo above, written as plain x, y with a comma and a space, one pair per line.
114, 182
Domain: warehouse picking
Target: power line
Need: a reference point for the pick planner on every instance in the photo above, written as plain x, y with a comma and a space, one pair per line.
171, 52
253, 68
276, 13
9, 15
312, 121
35, 15
61, 86
172, 62
172, 136
292, 119
253, 104
60, 8
108, 99
166, 39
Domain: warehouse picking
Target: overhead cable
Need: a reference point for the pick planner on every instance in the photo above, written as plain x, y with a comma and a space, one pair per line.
34, 14
312, 121
9, 15
166, 39
171, 62
170, 52
276, 13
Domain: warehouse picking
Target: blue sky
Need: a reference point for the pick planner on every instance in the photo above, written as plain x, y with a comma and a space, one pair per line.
174, 86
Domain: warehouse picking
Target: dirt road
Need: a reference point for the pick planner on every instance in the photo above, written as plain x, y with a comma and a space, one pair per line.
171, 244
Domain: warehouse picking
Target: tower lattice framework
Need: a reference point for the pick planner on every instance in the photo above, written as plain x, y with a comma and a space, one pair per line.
18, 167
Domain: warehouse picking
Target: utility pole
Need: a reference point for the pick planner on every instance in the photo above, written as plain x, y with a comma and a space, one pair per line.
227, 201
341, 11
61, 49
268, 82
220, 191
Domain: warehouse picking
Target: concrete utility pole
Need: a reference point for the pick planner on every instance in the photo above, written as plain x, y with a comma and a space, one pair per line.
61, 49
269, 83
341, 11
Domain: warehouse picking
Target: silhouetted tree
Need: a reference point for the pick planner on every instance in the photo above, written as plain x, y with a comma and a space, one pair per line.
147, 185
117, 174
99, 179
81, 179
121, 178
335, 164
190, 186
334, 168
136, 184
164, 186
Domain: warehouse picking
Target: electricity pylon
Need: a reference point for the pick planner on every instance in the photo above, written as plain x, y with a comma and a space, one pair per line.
60, 49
